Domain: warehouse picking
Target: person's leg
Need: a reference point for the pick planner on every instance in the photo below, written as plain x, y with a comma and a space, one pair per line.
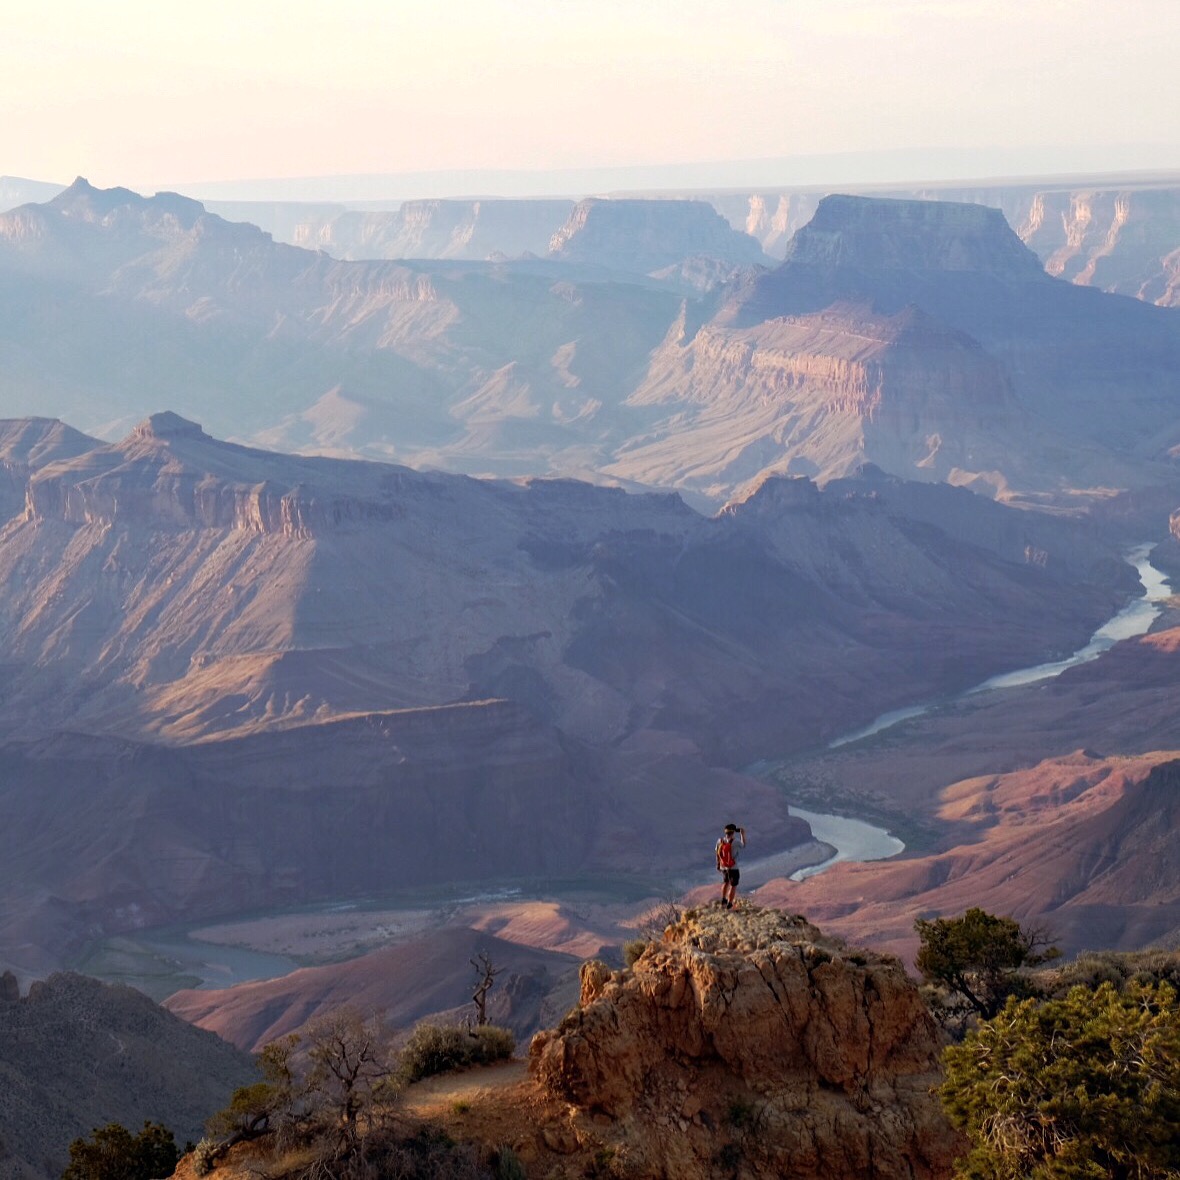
734, 877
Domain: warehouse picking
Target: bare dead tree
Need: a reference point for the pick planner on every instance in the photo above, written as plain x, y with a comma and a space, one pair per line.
664, 913
485, 974
349, 1061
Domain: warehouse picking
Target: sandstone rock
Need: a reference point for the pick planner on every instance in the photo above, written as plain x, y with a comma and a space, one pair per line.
806, 1058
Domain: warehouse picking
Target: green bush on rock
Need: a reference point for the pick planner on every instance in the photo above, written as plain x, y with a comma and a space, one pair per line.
1078, 1088
434, 1049
113, 1153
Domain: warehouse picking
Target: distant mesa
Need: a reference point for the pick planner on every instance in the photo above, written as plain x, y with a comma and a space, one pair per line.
875, 233
167, 424
469, 230
921, 336
893, 253
646, 236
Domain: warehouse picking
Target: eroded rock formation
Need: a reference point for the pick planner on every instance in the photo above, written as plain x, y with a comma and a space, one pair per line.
748, 1042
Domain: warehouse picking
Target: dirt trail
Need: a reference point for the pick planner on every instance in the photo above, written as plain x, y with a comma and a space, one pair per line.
490, 1104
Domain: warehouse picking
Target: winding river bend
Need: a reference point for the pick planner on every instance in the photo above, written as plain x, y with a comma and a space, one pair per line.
165, 960
1134, 619
860, 841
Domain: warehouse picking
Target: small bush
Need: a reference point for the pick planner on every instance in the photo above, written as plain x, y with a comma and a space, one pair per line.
433, 1049
113, 1153
428, 1154
1122, 969
632, 950
507, 1165
205, 1157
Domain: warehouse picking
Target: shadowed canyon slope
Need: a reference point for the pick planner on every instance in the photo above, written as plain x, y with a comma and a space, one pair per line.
275, 663
408, 982
76, 1055
921, 336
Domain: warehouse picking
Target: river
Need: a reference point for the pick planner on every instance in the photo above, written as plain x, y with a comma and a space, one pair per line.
1134, 619
859, 841
160, 961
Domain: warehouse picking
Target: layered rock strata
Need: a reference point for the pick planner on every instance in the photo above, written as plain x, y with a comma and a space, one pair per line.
747, 1042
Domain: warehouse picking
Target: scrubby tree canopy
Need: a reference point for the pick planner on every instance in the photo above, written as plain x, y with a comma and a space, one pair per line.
254, 1109
1086, 1087
979, 957
113, 1153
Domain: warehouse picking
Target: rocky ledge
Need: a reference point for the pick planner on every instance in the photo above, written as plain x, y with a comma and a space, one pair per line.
748, 1043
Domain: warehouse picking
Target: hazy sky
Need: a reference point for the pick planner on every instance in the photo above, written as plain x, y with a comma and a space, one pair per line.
139, 93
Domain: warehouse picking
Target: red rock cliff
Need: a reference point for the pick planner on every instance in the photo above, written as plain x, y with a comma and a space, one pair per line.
748, 1043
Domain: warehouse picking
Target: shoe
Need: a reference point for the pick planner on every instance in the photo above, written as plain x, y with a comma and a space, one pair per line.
728, 905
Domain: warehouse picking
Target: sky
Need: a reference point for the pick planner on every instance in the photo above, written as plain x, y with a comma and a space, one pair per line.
178, 94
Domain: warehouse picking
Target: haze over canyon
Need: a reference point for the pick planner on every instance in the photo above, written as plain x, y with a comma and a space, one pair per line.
441, 579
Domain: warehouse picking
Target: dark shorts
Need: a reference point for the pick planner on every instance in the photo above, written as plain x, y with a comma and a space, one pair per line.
731, 876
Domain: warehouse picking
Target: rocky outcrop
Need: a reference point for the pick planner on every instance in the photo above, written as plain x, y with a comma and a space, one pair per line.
748, 1042
645, 236
169, 473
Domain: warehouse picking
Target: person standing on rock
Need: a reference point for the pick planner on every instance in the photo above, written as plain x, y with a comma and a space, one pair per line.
728, 849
